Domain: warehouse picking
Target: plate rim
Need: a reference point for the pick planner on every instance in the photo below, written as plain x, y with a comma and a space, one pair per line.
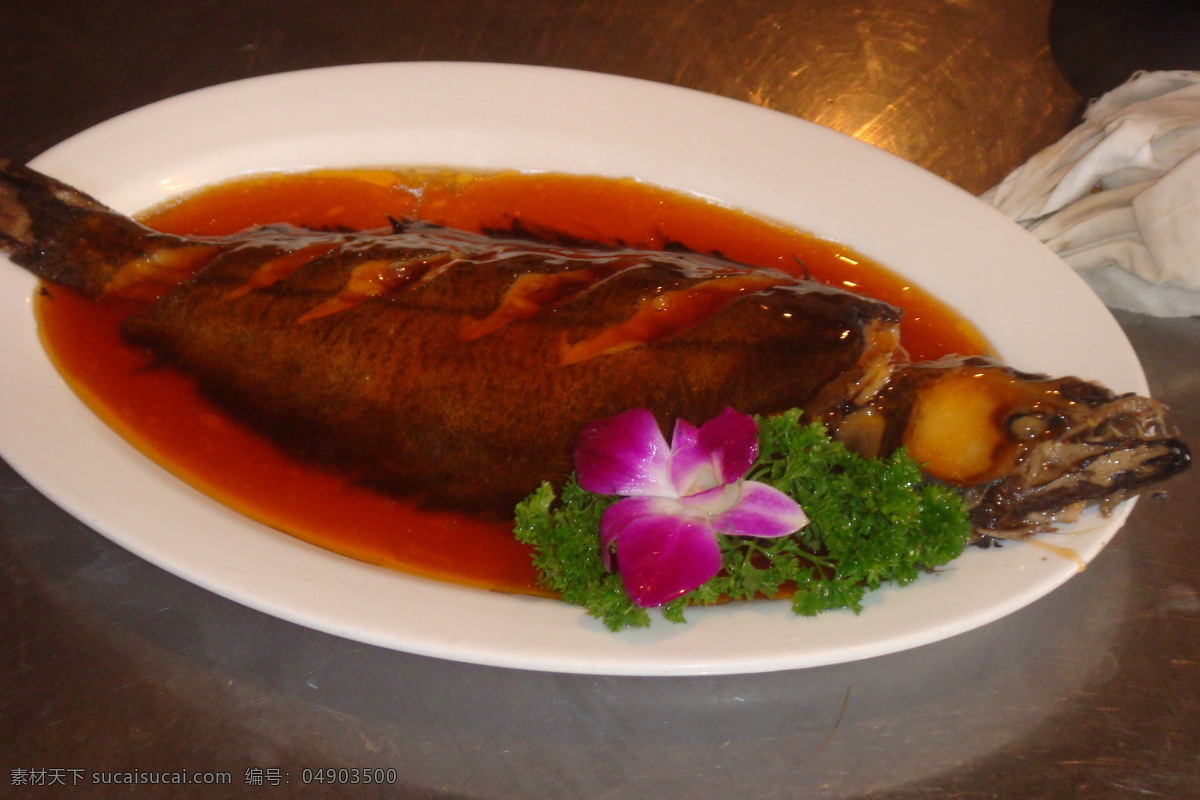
655, 652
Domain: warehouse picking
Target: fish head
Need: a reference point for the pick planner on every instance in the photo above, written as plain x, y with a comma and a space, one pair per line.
1028, 451
1074, 443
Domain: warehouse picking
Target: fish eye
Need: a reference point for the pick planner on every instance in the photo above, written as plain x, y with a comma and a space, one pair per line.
1028, 426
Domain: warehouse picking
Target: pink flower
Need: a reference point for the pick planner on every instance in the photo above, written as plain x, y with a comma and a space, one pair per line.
677, 498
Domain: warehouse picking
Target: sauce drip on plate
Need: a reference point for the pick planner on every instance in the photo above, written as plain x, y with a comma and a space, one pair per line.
159, 410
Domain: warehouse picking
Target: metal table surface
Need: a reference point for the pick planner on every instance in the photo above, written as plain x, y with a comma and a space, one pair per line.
110, 665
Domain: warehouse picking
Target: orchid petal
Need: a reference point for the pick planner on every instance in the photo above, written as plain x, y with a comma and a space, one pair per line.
693, 469
720, 451
665, 556
684, 435
714, 501
626, 454
733, 438
620, 515
760, 510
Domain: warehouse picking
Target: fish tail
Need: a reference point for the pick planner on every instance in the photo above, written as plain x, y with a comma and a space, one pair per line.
67, 237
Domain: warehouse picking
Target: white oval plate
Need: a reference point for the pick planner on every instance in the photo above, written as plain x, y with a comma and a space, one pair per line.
1038, 314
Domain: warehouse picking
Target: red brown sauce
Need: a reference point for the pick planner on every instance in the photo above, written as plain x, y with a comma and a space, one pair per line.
160, 412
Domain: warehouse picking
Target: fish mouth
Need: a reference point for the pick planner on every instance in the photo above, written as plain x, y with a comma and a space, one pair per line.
1102, 452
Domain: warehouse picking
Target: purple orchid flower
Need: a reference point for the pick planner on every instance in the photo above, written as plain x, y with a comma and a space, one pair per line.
677, 498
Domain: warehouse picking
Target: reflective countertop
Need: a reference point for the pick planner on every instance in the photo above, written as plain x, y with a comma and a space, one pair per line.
111, 667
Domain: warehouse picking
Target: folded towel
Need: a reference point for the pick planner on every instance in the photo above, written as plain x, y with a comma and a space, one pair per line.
1119, 196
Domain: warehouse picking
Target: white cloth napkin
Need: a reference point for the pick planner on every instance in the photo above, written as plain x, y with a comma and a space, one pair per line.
1119, 197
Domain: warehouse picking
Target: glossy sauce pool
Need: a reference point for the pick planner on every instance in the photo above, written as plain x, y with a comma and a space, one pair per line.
159, 411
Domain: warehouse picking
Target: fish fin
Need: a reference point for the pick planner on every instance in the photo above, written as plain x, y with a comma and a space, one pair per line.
67, 237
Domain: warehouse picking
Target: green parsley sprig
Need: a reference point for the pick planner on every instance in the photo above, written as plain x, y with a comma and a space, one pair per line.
873, 521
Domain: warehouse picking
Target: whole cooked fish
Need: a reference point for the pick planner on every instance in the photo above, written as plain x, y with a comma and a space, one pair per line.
462, 367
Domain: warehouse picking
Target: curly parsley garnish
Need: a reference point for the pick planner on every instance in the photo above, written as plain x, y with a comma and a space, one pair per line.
873, 521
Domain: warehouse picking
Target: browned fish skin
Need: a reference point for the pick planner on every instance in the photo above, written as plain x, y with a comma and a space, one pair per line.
391, 391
